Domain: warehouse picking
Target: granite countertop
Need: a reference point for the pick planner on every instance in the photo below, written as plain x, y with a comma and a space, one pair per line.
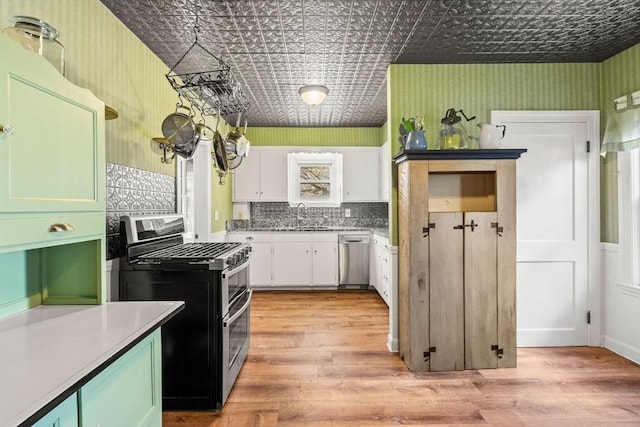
299, 229
48, 352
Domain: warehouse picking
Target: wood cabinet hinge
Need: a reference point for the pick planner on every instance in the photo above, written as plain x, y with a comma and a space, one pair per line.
427, 354
499, 351
425, 230
589, 317
498, 228
588, 146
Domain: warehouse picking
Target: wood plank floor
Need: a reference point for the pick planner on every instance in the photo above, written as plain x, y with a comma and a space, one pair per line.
319, 359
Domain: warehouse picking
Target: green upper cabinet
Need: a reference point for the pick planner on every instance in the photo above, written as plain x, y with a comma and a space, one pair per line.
52, 185
53, 160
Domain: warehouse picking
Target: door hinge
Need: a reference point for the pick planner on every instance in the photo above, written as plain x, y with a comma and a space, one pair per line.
499, 351
425, 230
589, 317
588, 146
498, 229
427, 354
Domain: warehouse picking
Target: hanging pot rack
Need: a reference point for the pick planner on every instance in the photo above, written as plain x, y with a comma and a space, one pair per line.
208, 91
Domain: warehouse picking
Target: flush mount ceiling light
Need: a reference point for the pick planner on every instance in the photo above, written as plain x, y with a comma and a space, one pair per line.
313, 94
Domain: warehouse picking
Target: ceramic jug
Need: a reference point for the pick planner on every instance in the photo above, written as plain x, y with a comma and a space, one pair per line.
491, 135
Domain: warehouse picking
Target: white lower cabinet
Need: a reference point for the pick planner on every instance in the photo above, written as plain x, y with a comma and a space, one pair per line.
305, 259
260, 269
325, 265
287, 259
292, 263
380, 267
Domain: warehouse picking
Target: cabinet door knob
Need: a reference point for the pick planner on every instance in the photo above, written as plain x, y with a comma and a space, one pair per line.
60, 226
7, 129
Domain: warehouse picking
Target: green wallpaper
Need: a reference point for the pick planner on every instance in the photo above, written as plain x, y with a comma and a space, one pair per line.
105, 57
429, 90
619, 76
316, 136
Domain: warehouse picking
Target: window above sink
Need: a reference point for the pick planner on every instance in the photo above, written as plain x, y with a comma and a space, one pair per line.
314, 179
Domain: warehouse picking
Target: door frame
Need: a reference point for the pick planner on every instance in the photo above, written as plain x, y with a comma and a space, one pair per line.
592, 120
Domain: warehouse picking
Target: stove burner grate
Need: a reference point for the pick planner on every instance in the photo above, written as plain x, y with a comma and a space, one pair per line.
191, 251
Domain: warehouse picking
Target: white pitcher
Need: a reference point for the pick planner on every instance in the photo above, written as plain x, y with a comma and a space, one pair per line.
491, 135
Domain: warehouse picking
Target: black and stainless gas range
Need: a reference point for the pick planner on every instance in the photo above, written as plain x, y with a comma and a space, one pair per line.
204, 346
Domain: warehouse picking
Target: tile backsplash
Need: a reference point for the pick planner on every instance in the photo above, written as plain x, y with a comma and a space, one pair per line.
132, 191
280, 214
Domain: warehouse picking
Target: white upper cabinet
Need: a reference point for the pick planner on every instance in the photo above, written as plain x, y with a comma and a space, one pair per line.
361, 176
262, 176
385, 171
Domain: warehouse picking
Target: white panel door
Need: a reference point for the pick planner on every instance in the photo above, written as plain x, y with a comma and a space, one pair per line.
552, 231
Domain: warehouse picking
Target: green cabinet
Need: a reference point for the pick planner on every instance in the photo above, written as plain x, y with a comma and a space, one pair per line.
53, 161
128, 392
52, 185
63, 415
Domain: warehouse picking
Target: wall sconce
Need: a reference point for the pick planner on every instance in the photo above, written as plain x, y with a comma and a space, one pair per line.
313, 94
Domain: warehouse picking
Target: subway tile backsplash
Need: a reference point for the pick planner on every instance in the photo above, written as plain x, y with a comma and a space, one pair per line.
132, 191
280, 214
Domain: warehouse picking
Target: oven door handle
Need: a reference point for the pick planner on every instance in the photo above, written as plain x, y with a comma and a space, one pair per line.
229, 273
239, 312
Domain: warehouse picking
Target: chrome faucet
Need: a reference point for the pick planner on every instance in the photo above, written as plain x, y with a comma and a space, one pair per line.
299, 218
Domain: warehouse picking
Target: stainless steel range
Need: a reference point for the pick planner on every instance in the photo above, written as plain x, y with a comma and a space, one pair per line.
205, 345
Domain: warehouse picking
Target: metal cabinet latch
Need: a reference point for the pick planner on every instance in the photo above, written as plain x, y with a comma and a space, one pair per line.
473, 225
498, 229
427, 354
499, 351
425, 230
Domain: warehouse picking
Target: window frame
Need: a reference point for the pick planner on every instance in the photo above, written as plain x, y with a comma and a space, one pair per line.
297, 160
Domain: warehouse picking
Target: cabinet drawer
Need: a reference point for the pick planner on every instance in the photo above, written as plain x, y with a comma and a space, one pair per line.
33, 231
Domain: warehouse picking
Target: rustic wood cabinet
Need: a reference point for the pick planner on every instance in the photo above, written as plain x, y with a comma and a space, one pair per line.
457, 260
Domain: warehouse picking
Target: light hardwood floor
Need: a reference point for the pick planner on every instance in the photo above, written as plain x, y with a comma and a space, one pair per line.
320, 359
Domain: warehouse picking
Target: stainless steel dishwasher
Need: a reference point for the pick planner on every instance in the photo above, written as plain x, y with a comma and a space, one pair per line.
353, 265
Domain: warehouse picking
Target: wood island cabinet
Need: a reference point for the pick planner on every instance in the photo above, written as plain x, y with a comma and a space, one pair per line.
457, 252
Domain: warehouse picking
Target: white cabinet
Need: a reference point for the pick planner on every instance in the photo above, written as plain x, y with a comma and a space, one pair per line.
325, 259
385, 171
262, 176
360, 174
291, 263
260, 269
305, 259
380, 266
289, 259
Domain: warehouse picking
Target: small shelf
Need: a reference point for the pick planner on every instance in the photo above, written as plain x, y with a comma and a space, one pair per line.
497, 154
462, 192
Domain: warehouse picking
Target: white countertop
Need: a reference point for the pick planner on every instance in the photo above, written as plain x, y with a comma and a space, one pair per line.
48, 350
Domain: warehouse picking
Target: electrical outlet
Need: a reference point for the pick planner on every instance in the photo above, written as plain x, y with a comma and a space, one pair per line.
347, 213
216, 215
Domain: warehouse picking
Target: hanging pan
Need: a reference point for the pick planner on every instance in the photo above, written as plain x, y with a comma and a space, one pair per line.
219, 153
178, 127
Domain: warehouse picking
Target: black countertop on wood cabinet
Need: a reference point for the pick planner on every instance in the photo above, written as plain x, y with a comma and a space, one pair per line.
496, 154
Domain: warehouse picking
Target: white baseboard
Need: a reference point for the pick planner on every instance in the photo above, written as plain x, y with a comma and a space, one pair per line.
622, 349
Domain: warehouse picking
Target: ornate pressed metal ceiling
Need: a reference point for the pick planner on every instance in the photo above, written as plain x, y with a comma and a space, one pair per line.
275, 46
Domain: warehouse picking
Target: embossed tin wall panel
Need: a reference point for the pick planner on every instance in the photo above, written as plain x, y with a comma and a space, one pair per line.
276, 46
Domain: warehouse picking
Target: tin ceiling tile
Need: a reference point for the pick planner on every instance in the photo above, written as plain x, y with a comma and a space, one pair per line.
274, 46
